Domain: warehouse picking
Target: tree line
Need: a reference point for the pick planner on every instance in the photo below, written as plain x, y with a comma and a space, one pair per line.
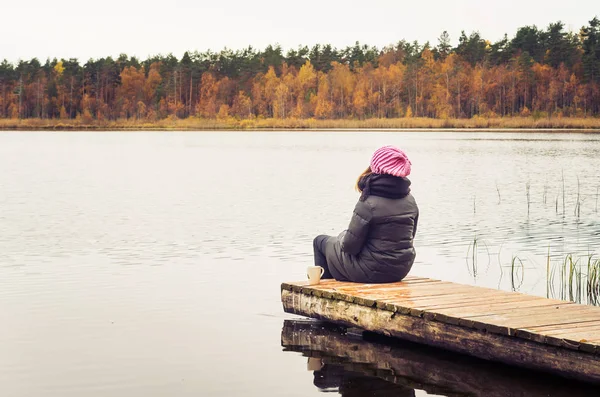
546, 72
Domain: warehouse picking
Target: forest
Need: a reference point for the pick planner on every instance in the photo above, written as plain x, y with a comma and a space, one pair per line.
537, 73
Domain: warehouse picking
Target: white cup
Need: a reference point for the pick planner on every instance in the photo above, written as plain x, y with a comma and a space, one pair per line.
314, 274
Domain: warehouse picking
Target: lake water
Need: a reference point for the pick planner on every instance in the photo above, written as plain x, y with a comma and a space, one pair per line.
149, 263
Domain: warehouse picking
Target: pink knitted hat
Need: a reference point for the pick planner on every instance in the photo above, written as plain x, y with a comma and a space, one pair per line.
390, 160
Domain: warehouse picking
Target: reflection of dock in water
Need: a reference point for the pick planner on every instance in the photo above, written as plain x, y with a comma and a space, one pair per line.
392, 367
520, 330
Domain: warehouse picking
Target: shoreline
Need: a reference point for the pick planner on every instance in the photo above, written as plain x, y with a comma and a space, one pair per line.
308, 130
507, 124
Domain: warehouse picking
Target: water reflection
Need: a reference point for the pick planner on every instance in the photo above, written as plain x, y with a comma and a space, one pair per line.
336, 378
355, 364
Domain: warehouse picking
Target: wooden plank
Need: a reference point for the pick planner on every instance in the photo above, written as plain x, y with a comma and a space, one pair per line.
504, 323
510, 322
456, 315
364, 288
537, 316
573, 325
591, 325
458, 300
449, 290
432, 297
360, 293
472, 301
487, 308
590, 333
489, 346
431, 308
404, 292
545, 336
351, 288
578, 341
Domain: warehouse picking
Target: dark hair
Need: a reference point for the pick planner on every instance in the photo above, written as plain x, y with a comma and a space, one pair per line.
362, 176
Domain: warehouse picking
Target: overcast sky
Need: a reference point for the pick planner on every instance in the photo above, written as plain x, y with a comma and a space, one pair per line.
84, 29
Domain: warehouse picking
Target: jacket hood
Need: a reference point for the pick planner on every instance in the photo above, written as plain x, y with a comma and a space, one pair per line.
384, 185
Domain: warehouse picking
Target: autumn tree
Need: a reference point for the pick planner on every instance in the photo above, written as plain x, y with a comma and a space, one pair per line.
242, 106
545, 72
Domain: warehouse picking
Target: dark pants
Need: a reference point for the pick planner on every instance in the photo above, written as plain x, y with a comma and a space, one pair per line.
319, 244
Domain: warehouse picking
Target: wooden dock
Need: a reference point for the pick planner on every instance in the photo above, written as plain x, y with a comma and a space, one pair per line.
509, 327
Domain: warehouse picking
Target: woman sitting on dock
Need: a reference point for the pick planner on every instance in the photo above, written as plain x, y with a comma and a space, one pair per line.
378, 246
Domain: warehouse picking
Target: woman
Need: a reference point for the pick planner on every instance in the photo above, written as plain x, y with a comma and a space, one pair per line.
378, 246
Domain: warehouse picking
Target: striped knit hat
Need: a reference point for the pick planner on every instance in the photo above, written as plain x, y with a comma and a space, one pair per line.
390, 160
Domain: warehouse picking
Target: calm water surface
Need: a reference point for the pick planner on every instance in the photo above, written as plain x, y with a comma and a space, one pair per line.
149, 264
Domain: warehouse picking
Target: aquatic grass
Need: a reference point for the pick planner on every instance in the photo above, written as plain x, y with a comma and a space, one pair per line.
577, 279
473, 255
578, 201
252, 123
593, 280
473, 251
572, 278
500, 265
516, 264
563, 278
527, 193
563, 191
545, 195
549, 276
597, 187
498, 190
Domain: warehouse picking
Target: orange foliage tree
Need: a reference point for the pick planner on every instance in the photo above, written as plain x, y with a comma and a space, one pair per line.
538, 72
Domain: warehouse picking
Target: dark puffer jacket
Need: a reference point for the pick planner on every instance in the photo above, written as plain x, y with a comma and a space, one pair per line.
378, 246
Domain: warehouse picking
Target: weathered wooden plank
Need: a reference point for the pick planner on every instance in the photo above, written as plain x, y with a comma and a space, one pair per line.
461, 298
547, 338
407, 291
410, 290
430, 308
593, 331
511, 322
496, 308
467, 316
569, 362
337, 290
446, 289
355, 292
395, 287
497, 323
575, 324
540, 316
466, 301
576, 335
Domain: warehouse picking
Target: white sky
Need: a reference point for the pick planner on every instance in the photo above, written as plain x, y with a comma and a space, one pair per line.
84, 29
